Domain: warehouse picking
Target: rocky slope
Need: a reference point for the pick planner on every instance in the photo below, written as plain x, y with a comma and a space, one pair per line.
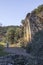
36, 21
35, 47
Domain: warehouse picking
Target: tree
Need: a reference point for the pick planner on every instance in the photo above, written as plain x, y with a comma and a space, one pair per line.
10, 35
38, 10
23, 27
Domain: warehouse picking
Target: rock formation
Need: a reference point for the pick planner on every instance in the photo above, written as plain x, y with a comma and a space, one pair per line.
35, 48
33, 24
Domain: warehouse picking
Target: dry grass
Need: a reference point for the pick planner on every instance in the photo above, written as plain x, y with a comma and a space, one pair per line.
2, 43
15, 45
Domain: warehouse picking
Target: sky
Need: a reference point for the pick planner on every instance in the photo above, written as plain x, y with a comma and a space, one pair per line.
13, 11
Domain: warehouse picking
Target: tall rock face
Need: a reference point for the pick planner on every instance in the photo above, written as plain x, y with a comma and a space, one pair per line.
27, 28
35, 24
36, 28
35, 48
35, 21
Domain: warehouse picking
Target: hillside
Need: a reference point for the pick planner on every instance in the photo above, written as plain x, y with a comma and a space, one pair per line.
3, 30
36, 20
35, 47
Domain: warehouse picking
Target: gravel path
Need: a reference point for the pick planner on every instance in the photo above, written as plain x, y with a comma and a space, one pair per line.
17, 51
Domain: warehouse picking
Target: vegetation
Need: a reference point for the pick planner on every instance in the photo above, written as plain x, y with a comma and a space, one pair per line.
36, 46
38, 10
2, 53
10, 33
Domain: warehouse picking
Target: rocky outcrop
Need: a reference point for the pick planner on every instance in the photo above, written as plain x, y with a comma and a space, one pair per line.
35, 47
34, 23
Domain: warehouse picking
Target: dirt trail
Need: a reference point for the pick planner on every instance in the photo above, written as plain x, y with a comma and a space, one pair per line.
18, 51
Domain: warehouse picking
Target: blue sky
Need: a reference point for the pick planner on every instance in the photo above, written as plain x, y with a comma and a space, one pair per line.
13, 11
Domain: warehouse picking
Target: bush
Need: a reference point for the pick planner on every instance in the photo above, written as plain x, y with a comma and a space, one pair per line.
1, 47
36, 45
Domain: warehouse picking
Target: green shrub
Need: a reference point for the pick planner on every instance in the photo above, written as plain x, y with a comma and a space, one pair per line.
1, 47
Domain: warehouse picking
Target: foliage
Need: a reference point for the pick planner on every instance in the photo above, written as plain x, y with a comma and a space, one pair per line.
19, 60
13, 34
22, 44
2, 53
38, 10
2, 43
4, 31
36, 44
1, 47
10, 35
